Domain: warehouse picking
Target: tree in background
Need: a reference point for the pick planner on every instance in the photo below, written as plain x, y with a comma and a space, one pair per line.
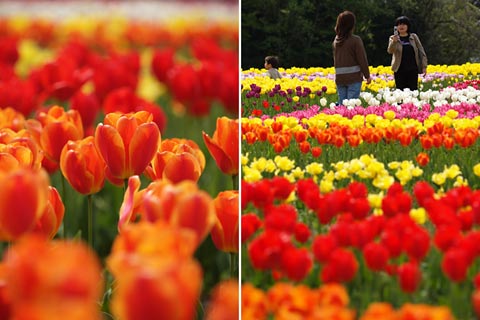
301, 32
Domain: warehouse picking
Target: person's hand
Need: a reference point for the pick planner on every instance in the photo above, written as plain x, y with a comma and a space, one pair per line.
395, 38
369, 80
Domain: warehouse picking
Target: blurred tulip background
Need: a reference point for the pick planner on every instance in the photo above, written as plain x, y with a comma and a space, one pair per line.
119, 148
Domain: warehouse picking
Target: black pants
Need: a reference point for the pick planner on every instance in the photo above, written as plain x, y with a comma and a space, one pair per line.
406, 79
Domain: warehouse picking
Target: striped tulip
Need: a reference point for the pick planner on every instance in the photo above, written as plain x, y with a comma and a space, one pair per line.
127, 143
82, 166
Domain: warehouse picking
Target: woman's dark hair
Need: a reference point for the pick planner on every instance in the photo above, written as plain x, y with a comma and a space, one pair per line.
403, 20
345, 24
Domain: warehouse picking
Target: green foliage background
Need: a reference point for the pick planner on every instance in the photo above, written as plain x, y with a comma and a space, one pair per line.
301, 32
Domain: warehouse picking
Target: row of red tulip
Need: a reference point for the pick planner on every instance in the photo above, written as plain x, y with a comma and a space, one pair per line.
338, 233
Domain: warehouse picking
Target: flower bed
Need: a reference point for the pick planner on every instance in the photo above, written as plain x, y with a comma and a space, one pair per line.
379, 196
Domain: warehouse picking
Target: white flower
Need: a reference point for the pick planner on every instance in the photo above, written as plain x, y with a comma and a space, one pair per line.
323, 102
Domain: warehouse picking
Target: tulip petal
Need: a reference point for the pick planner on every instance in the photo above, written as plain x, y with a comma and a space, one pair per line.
181, 167
224, 162
143, 146
195, 212
111, 147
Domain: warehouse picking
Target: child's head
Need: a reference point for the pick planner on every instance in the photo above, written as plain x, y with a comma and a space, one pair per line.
271, 62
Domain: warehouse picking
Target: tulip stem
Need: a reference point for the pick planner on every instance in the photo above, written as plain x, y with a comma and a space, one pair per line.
90, 220
235, 181
232, 265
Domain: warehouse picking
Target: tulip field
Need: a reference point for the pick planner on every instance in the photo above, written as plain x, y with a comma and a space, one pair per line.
119, 168
365, 210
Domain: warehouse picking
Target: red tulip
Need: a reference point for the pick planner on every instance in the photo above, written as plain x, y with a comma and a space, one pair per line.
162, 62
296, 263
323, 246
225, 230
127, 143
224, 146
416, 243
376, 256
250, 224
409, 276
82, 166
341, 266
125, 100
455, 264
265, 251
88, 106
302, 232
18, 94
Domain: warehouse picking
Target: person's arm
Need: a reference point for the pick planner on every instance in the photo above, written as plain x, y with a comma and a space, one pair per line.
361, 56
393, 43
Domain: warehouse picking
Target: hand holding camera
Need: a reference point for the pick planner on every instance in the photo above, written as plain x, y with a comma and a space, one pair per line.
396, 36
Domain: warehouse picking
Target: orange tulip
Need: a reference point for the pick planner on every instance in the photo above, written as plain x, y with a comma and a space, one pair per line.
23, 199
379, 310
225, 231
46, 281
181, 205
19, 149
12, 119
254, 303
155, 274
52, 216
422, 159
177, 160
224, 301
250, 137
82, 166
58, 127
127, 143
224, 146
301, 135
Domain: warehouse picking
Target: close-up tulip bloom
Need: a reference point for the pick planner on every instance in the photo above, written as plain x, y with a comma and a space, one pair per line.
44, 280
154, 281
181, 205
224, 145
58, 127
127, 143
177, 160
82, 166
225, 231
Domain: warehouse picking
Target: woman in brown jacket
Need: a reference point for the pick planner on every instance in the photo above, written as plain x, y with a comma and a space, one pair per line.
349, 58
408, 56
